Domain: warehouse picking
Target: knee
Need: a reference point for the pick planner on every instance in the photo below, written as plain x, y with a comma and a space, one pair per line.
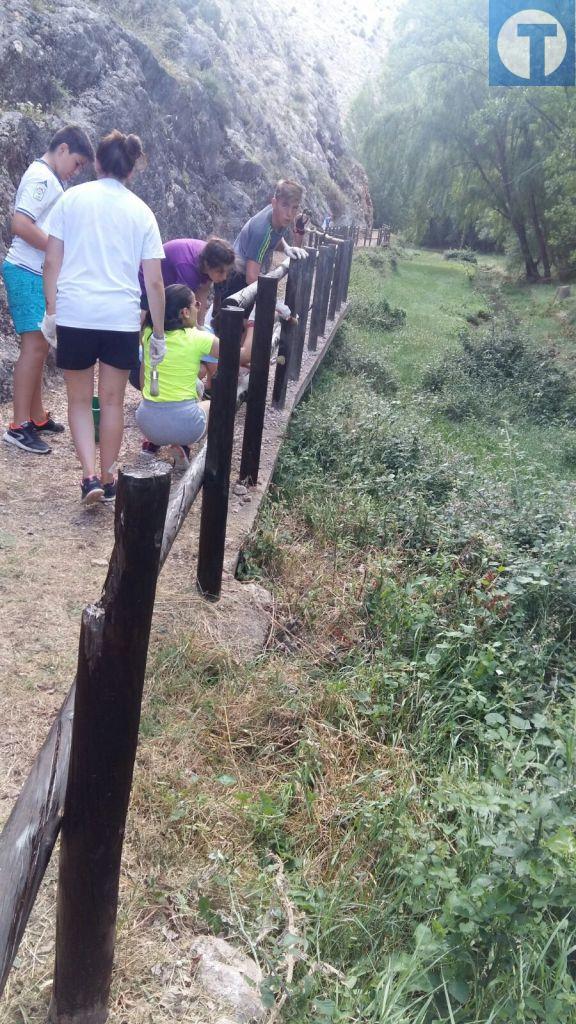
34, 346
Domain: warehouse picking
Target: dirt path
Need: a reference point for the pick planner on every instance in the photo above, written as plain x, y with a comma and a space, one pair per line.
53, 561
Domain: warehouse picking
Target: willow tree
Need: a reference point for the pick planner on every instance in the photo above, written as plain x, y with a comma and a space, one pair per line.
441, 142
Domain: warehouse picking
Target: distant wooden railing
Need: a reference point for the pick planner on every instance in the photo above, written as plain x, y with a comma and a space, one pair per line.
80, 782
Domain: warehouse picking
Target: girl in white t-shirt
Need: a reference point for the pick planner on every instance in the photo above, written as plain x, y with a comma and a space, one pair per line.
100, 232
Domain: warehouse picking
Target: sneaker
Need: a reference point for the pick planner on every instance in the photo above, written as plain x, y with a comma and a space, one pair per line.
25, 436
92, 490
109, 491
181, 455
49, 425
149, 448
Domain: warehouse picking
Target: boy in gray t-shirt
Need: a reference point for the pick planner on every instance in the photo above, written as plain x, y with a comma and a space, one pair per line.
258, 239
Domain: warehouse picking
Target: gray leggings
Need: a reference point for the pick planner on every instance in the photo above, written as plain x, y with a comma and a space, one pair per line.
171, 422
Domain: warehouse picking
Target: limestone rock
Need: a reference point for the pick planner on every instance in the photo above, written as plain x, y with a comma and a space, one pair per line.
229, 977
225, 104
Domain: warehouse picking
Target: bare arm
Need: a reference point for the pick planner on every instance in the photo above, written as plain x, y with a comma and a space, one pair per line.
52, 268
155, 291
252, 271
25, 228
202, 296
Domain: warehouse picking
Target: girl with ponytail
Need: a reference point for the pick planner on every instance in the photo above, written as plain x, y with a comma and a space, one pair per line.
100, 233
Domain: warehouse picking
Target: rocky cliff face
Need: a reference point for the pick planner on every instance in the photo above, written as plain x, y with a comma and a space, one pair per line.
226, 96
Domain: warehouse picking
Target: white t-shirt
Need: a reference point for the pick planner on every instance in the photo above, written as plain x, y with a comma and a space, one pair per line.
39, 189
107, 231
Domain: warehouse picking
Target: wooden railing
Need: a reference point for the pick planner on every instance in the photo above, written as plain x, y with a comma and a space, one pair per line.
79, 784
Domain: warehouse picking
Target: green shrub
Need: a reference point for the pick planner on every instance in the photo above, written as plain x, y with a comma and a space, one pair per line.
461, 255
497, 371
377, 314
376, 258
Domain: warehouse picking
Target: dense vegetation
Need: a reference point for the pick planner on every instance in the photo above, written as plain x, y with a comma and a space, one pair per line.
452, 159
381, 808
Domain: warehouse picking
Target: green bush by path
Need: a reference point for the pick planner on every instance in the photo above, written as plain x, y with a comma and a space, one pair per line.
498, 374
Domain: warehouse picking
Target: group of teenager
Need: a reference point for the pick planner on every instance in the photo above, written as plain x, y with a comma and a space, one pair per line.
87, 272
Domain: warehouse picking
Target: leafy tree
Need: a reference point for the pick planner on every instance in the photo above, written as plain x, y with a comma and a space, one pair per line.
441, 143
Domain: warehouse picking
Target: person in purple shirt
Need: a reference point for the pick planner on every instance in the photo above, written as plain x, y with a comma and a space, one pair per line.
195, 263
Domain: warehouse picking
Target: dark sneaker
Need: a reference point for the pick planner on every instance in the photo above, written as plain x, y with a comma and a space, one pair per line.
109, 491
92, 490
26, 436
49, 426
149, 448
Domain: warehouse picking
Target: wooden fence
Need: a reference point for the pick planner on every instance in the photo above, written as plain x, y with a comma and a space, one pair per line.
79, 785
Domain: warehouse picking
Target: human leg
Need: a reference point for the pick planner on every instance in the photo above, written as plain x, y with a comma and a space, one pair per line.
28, 371
111, 387
80, 388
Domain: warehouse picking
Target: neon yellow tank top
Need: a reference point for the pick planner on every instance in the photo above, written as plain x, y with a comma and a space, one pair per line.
178, 371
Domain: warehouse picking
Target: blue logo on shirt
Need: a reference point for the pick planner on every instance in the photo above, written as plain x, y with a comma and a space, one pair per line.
532, 45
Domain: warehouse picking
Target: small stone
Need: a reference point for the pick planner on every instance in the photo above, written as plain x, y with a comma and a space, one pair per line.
98, 561
240, 489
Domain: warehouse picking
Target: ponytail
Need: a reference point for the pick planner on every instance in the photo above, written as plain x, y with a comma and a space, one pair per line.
118, 154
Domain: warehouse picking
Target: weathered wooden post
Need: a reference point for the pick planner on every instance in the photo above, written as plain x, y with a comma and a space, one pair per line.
324, 268
258, 383
334, 290
348, 269
342, 275
287, 335
321, 294
109, 682
303, 311
219, 457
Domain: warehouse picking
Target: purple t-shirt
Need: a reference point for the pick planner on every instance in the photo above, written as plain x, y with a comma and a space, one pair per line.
181, 263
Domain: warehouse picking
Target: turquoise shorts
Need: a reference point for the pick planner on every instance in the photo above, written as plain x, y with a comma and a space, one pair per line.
25, 297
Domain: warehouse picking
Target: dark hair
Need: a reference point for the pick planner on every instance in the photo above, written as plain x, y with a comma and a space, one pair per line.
216, 253
76, 140
178, 297
117, 154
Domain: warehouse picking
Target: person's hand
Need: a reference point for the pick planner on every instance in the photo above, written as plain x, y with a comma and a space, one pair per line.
157, 349
294, 253
48, 328
283, 310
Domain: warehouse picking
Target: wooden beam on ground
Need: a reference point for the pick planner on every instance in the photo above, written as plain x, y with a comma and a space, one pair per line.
30, 833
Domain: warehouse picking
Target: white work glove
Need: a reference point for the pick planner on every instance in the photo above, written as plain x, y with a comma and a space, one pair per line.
157, 349
48, 328
295, 253
283, 310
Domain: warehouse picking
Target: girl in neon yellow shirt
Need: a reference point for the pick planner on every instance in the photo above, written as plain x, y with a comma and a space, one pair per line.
174, 416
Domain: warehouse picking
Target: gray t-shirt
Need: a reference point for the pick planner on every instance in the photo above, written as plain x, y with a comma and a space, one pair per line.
257, 240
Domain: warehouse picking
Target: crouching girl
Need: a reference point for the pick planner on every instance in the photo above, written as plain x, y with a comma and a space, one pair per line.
170, 413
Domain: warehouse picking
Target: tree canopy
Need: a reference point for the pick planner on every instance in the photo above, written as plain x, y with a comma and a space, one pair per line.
442, 145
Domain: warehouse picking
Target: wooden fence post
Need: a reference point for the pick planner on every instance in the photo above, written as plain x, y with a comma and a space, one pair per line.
348, 269
258, 382
110, 677
303, 311
342, 276
324, 268
287, 335
219, 457
333, 304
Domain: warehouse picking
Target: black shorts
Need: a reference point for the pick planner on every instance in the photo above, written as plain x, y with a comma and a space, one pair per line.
79, 348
